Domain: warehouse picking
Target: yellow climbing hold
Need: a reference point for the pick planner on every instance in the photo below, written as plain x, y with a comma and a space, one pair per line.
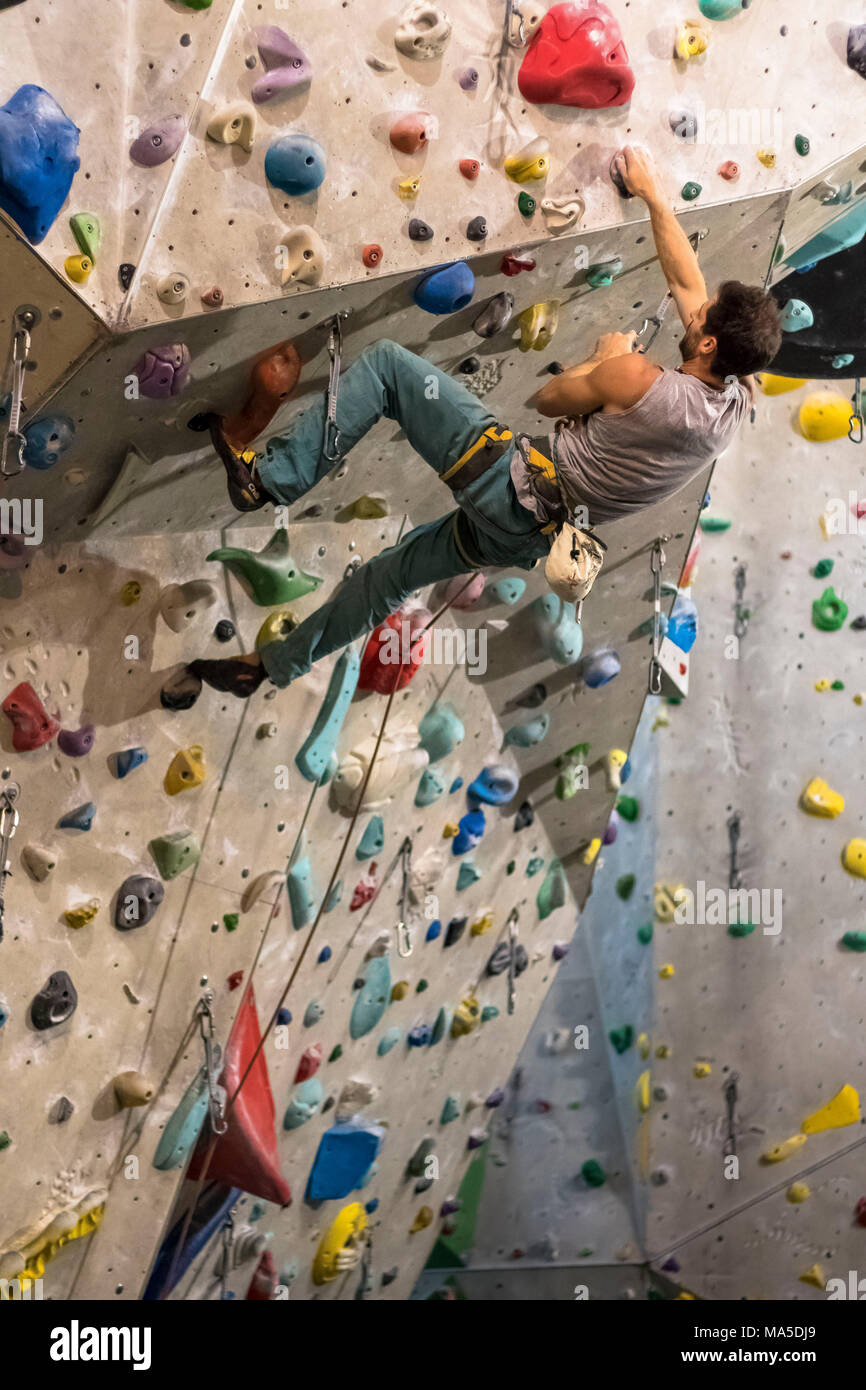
642, 1092
854, 858
409, 188
798, 1192
400, 990
130, 593
666, 972
591, 852
691, 41
276, 627
661, 721
814, 1276
450, 831
185, 771
422, 1220
767, 158
859, 698
784, 1150
820, 800
825, 415
78, 268
777, 385
338, 1249
842, 1110
365, 508
667, 899
84, 1226
643, 1044
466, 1017
532, 162
77, 917
664, 1050
537, 325
822, 685
481, 924
701, 1069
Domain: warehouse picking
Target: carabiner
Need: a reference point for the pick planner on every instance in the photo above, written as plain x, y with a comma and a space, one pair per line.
856, 419
331, 444
404, 940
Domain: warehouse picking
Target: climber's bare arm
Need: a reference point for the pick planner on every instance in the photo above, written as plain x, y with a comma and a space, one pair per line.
615, 377
677, 258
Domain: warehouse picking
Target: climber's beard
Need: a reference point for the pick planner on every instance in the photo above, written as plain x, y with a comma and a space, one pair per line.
689, 343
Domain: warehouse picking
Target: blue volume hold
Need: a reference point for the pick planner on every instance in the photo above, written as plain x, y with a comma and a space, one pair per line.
38, 159
318, 748
295, 164
446, 289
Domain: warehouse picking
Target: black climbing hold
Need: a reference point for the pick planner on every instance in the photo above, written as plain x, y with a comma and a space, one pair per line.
501, 956
857, 48
525, 816
423, 1184
533, 697
617, 180
470, 365
555, 368
200, 422
125, 273
310, 512
389, 1276
181, 692
454, 931
420, 231
61, 1111
477, 229
224, 630
137, 901
859, 622
56, 1001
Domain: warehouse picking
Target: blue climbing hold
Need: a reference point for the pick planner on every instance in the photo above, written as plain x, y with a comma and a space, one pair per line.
79, 819
304, 1102
302, 897
508, 590
446, 289
455, 785
440, 731
371, 1206
795, 316
433, 930
373, 839
373, 997
529, 734
46, 439
599, 667
430, 787
284, 1017
494, 785
345, 1153
683, 624
469, 835
557, 628
38, 159
318, 749
127, 760
295, 164
324, 955
419, 1036
389, 1039
467, 876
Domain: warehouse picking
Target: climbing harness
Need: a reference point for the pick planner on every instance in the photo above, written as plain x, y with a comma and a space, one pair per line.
657, 564
657, 319
856, 421
332, 444
12, 456
511, 926
8, 824
733, 842
741, 614
731, 1101
216, 1095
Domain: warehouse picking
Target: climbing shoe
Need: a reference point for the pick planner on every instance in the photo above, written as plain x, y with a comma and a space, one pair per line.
246, 493
231, 676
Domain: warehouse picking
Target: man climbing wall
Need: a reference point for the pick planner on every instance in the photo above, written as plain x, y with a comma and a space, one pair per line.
631, 433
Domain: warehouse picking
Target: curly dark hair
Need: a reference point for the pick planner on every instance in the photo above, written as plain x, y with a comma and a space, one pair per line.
745, 323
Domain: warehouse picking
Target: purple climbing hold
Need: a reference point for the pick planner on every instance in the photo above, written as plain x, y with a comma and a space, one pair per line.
857, 49
560, 950
13, 552
158, 142
38, 159
495, 1098
163, 371
469, 79
75, 743
287, 66
611, 829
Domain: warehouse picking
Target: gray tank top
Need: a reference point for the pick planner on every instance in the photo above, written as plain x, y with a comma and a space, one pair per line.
621, 462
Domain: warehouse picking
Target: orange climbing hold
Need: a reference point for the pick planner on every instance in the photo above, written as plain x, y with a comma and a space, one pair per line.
371, 255
470, 168
411, 133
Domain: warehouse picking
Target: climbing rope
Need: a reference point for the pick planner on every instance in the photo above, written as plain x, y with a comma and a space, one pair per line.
741, 614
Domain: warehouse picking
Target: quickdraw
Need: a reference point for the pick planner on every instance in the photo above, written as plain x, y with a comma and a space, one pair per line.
856, 421
657, 564
8, 825
12, 455
657, 319
332, 444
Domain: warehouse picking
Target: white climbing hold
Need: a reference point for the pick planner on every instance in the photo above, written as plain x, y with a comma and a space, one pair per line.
181, 604
301, 257
234, 125
173, 288
260, 885
423, 31
560, 213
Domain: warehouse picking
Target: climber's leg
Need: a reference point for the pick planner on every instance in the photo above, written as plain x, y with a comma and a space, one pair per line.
440, 417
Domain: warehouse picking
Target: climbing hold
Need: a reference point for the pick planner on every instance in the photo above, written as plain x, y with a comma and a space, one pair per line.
78, 917
313, 1013
796, 316
372, 998
559, 214
371, 255
411, 132
46, 440
535, 865
469, 834
76, 743
553, 891
593, 1174
159, 141
79, 819
373, 839
818, 799
599, 667
408, 189
470, 169
130, 593
172, 288
481, 924
181, 690
302, 894
56, 1001
419, 231
286, 65
691, 41
181, 604
616, 178
495, 315
276, 627
302, 257
388, 1040
529, 164
690, 191
767, 158
399, 991
295, 164
185, 771
494, 785
445, 290
614, 763
842, 1110
604, 273
526, 204
577, 57
730, 170
557, 628
466, 1018
345, 1154
137, 901
132, 1089
777, 385
798, 1192
590, 854
175, 852
395, 649
78, 268
38, 861
682, 626
537, 325
319, 748
825, 415
430, 787
38, 159
467, 876
31, 725
513, 265
783, 1150
399, 757
854, 940
163, 371
440, 731
457, 593
814, 1276
423, 31
829, 611
125, 273
340, 1248
508, 590
271, 575
684, 125
533, 697
469, 79
234, 125
856, 51
450, 1111
529, 734
701, 1070
304, 1102
854, 858
422, 1220
573, 776
476, 230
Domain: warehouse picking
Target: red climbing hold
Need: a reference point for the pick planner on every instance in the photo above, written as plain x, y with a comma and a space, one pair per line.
512, 265
365, 890
577, 58
32, 725
246, 1155
730, 170
371, 255
311, 1060
263, 1284
235, 979
395, 650
860, 1212
272, 380
470, 168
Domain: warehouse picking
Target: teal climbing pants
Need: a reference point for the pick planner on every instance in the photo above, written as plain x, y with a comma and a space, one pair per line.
442, 420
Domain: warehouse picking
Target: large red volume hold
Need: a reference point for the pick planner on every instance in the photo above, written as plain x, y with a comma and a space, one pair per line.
246, 1155
395, 649
263, 1284
32, 725
577, 58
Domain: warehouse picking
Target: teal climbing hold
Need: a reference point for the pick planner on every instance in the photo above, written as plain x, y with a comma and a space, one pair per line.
373, 839
304, 1103
176, 852
334, 896
508, 590
553, 891
529, 734
450, 1110
313, 1013
855, 940
316, 753
467, 876
625, 886
593, 1174
690, 191
645, 933
557, 628
372, 998
182, 1131
796, 316
430, 787
271, 575
388, 1040
441, 1026
622, 1038
440, 731
534, 866
604, 273
720, 9
302, 895
488, 1012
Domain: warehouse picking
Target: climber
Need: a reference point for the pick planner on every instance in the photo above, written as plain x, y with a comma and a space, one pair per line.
632, 434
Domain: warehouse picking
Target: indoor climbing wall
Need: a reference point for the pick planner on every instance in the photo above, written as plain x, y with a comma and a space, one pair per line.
224, 179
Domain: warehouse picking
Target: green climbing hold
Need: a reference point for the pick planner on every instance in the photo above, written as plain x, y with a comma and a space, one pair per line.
599, 276
450, 1110
197, 4
855, 940
691, 190
534, 866
573, 776
622, 1038
552, 893
336, 1053
271, 575
822, 569
174, 853
802, 144
628, 807
526, 204
230, 920
645, 934
467, 876
625, 886
838, 685
510, 866
489, 1011
421, 986
829, 611
741, 929
714, 523
87, 232
593, 1174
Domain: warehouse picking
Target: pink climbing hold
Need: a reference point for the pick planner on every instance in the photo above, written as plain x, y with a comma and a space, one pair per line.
860, 1212
395, 649
32, 725
311, 1060
458, 593
730, 170
287, 66
577, 58
163, 371
365, 890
